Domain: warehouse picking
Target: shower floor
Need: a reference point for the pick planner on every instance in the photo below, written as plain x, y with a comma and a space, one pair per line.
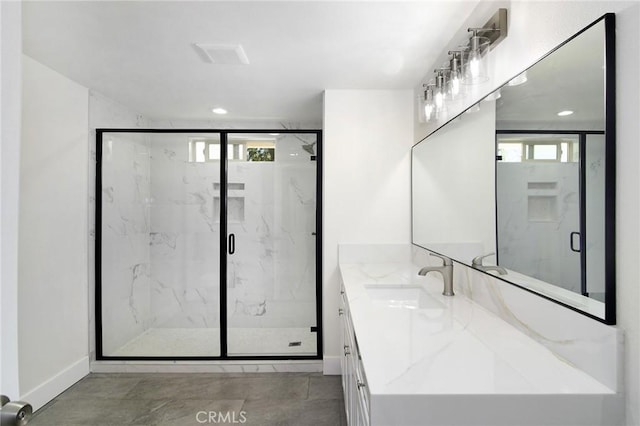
180, 342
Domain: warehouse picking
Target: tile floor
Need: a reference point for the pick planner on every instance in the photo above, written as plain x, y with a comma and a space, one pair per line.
263, 399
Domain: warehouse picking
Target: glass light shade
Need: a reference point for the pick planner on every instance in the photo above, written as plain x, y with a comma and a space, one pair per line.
455, 75
455, 83
428, 111
439, 97
425, 107
429, 104
476, 67
420, 110
440, 92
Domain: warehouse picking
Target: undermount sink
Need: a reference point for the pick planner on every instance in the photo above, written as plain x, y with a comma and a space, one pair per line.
405, 296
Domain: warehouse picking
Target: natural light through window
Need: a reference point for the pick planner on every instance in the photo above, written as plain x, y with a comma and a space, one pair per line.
208, 150
543, 148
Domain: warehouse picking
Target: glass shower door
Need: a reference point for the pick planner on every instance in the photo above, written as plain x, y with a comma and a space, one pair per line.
538, 206
159, 241
271, 244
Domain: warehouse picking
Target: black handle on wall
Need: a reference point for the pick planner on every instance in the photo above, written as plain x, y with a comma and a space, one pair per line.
232, 243
571, 241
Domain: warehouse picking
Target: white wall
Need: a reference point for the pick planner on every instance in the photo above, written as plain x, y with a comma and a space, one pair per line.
534, 29
10, 70
52, 239
367, 140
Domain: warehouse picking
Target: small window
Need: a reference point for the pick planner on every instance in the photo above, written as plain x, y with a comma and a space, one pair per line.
197, 151
261, 151
208, 150
510, 152
555, 148
543, 151
214, 151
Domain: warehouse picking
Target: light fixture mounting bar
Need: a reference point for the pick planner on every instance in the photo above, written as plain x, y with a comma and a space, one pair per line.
495, 29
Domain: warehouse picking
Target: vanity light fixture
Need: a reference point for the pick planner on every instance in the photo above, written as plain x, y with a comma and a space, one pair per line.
429, 104
481, 41
468, 65
477, 69
455, 73
440, 92
218, 110
565, 113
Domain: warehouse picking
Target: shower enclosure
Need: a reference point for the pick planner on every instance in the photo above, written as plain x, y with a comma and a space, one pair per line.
208, 244
550, 204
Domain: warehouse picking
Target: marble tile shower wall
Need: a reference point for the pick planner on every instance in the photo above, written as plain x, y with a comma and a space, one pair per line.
538, 208
126, 200
271, 211
292, 207
103, 113
184, 237
233, 124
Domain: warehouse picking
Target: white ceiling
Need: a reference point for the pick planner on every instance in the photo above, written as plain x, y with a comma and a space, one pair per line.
570, 78
141, 53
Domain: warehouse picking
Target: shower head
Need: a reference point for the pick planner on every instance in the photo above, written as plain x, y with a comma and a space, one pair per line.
309, 148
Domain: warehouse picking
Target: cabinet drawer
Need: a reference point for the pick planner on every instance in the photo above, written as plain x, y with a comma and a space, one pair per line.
354, 381
361, 380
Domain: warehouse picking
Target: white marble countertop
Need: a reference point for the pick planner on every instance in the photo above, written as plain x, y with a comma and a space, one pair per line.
462, 349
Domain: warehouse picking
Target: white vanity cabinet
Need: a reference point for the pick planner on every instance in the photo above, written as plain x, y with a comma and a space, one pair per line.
354, 383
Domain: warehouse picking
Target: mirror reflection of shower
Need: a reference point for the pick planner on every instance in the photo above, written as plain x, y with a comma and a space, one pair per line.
544, 180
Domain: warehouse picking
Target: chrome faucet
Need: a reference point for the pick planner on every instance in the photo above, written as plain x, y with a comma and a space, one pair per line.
477, 264
446, 270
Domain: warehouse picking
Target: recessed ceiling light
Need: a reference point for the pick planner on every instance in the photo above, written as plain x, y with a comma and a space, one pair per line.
219, 111
274, 134
565, 113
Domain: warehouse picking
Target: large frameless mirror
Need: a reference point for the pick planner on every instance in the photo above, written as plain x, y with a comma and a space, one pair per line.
527, 177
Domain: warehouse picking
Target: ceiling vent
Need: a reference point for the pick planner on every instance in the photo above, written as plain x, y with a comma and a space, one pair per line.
227, 54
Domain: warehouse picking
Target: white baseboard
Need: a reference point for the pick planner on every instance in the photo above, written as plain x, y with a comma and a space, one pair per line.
331, 366
45, 392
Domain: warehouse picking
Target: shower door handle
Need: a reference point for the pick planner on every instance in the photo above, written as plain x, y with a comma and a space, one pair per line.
232, 243
572, 241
